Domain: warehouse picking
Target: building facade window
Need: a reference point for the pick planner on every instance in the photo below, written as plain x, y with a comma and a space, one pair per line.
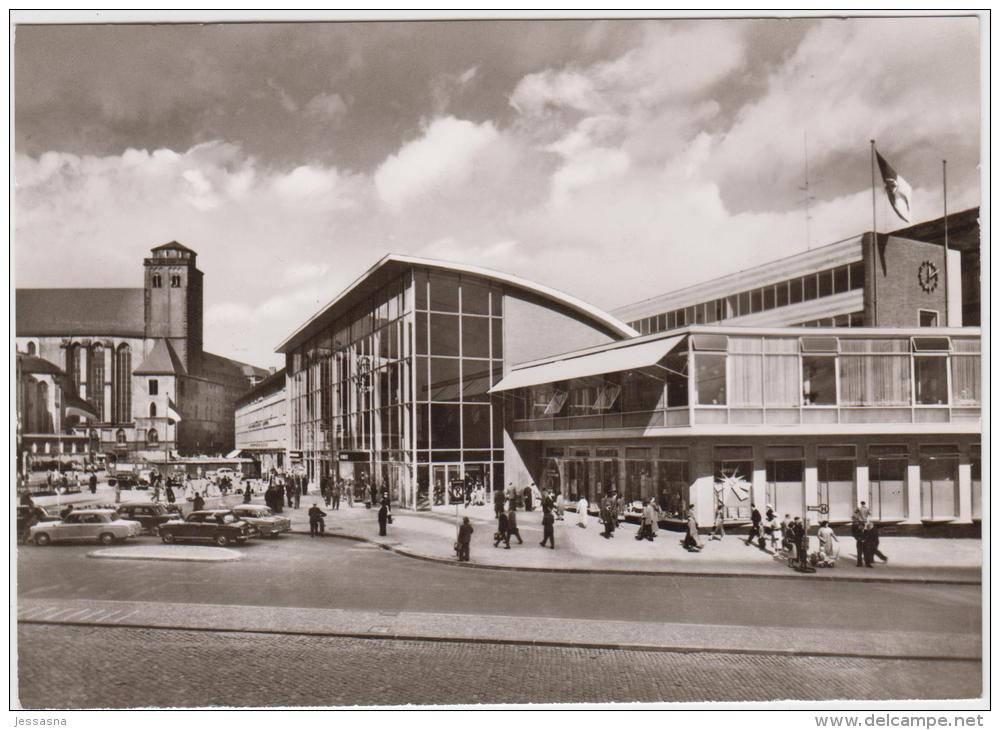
152, 437
875, 372
785, 475
733, 473
154, 386
887, 466
836, 471
156, 280
122, 395
95, 379
152, 410
930, 375
938, 482
928, 318
120, 437
976, 477
966, 374
175, 281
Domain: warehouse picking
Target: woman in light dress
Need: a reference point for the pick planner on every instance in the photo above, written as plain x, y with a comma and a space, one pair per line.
581, 511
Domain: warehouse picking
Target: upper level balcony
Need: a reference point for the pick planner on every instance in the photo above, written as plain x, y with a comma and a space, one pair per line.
734, 381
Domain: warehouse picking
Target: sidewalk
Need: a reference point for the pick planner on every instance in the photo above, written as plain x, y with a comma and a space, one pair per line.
431, 536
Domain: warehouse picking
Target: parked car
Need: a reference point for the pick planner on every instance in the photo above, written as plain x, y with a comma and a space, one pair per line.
28, 516
103, 525
124, 480
150, 516
269, 524
220, 526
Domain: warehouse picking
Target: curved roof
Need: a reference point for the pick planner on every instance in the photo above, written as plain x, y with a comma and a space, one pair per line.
393, 264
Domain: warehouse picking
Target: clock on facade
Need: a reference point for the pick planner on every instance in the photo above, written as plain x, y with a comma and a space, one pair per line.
927, 275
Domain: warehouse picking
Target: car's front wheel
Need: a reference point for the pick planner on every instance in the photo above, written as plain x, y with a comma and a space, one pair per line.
106, 538
167, 537
42, 539
221, 540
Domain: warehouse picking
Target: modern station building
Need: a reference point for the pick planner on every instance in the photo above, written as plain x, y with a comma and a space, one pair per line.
839, 383
123, 372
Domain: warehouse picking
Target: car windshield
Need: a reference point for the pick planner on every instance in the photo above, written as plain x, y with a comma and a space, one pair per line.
256, 512
115, 516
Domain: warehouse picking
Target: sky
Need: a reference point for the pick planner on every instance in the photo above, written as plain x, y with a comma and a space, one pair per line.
613, 160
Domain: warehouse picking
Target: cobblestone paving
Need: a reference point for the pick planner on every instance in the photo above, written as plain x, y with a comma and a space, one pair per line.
76, 667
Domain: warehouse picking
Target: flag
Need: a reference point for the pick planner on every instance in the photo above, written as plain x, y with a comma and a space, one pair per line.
172, 413
899, 191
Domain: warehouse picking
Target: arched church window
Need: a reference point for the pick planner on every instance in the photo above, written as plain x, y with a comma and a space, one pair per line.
120, 436
152, 410
152, 437
123, 384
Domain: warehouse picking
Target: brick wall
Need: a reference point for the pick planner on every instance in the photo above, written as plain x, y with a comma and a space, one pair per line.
892, 287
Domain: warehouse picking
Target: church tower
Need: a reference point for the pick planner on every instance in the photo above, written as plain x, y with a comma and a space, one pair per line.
174, 301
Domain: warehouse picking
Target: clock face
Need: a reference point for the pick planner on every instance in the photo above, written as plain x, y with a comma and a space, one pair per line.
928, 276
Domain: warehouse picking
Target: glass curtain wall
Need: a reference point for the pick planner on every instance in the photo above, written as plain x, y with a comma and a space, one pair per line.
887, 466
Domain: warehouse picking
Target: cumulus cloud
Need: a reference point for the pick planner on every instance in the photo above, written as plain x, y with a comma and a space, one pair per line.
327, 105
445, 154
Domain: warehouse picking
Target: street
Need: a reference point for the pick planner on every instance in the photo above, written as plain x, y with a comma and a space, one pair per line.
295, 571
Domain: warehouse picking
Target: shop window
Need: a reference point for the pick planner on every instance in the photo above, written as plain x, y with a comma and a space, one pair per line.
887, 466
733, 485
672, 487
931, 378
819, 380
785, 486
639, 467
710, 378
938, 482
836, 474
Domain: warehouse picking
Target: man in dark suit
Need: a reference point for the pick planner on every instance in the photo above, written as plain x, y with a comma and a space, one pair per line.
383, 514
317, 526
548, 529
754, 524
498, 499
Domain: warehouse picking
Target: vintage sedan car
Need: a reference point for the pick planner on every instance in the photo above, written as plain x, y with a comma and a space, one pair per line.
124, 481
147, 514
220, 526
269, 524
103, 525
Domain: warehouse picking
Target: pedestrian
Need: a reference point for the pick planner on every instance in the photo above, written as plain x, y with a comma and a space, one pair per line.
279, 499
171, 497
528, 497
498, 500
350, 493
317, 525
619, 509
383, 514
335, 495
607, 518
871, 544
829, 545
512, 528
719, 523
156, 492
66, 511
290, 488
865, 512
93, 484
858, 533
800, 539
248, 493
560, 506
26, 500
548, 529
464, 540
118, 493
296, 495
754, 524
502, 534
771, 525
692, 541
548, 503
581, 511
199, 503
647, 525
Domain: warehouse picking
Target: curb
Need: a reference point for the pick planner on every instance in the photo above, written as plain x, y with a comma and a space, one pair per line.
228, 559
622, 571
772, 651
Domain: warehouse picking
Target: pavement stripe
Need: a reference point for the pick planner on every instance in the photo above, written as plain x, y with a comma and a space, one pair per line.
535, 631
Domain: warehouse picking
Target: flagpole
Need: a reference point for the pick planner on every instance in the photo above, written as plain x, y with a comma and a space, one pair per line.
874, 245
947, 302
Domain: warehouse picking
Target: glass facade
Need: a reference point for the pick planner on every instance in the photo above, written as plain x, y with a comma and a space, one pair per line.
395, 395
